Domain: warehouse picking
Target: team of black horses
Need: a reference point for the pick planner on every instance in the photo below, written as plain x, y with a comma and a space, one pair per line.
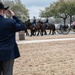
39, 29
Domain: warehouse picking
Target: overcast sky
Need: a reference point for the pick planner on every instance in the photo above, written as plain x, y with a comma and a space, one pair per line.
34, 6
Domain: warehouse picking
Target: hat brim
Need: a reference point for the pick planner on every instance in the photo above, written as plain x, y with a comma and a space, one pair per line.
6, 8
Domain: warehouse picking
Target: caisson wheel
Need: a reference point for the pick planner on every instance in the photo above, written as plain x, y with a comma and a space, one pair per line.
65, 29
59, 29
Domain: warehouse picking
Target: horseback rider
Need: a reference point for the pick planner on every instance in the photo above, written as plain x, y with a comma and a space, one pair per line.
47, 22
34, 21
28, 20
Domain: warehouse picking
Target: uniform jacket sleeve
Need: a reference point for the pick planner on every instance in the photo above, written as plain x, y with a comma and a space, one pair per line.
18, 24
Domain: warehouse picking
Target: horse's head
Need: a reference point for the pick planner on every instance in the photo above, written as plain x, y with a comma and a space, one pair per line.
28, 24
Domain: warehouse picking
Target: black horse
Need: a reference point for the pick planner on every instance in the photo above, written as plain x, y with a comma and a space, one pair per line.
50, 27
40, 28
29, 26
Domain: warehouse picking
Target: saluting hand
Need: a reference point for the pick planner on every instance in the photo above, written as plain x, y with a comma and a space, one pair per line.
11, 12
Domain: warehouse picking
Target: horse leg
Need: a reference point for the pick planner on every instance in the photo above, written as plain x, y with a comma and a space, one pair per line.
31, 32
38, 32
41, 32
50, 32
53, 30
35, 32
27, 33
45, 32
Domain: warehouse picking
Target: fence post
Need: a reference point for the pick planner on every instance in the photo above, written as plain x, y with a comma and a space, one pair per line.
21, 35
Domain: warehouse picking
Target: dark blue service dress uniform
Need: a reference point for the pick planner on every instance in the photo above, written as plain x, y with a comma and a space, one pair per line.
8, 46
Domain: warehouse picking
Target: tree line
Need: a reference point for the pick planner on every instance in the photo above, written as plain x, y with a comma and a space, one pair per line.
60, 9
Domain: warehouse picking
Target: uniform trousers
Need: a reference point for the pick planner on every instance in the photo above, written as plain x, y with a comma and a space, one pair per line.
6, 67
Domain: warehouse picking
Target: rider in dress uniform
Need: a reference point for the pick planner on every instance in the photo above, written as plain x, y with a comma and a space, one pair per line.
47, 23
34, 21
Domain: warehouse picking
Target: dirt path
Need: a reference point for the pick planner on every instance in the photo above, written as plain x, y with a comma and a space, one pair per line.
27, 38
48, 58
